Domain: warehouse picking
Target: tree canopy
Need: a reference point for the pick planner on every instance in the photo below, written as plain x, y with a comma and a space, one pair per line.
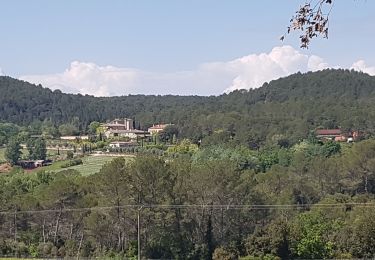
282, 111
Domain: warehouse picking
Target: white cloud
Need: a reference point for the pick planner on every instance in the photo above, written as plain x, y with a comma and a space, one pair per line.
92, 79
362, 66
1, 72
316, 63
253, 70
88, 78
211, 78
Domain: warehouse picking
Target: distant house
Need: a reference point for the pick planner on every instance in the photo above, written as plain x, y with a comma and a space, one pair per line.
38, 163
74, 138
132, 134
157, 128
356, 135
337, 135
122, 128
331, 134
120, 124
122, 144
31, 164
26, 164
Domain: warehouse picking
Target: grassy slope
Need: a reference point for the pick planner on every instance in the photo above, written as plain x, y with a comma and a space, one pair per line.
2, 158
91, 165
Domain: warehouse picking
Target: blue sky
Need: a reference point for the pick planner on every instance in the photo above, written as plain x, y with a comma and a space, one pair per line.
162, 39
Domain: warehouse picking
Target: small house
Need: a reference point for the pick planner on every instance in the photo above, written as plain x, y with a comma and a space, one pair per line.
331, 134
122, 128
122, 144
74, 137
155, 129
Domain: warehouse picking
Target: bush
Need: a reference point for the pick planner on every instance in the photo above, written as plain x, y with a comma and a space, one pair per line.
33, 250
69, 155
44, 249
72, 163
265, 257
100, 144
221, 253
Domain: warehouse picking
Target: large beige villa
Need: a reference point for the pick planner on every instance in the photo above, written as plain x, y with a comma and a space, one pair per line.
122, 128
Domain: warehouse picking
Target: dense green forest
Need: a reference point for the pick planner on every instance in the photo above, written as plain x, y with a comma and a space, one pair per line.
287, 108
311, 201
260, 185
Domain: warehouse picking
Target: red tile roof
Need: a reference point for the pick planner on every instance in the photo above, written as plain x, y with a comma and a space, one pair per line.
328, 132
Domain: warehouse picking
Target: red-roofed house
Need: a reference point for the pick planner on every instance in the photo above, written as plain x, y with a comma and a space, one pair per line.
337, 135
331, 134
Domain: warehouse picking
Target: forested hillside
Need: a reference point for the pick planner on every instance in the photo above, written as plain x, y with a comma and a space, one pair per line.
259, 186
287, 108
315, 202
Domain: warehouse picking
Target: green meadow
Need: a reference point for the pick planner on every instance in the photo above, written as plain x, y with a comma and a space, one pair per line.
90, 165
2, 158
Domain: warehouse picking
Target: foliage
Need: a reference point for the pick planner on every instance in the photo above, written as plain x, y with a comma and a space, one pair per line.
169, 132
282, 112
213, 177
68, 129
71, 163
13, 151
69, 155
220, 199
2, 155
221, 253
7, 130
93, 127
312, 20
241, 157
311, 236
184, 147
37, 149
270, 240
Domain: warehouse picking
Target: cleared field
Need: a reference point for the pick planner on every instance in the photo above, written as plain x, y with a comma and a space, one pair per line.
2, 158
91, 164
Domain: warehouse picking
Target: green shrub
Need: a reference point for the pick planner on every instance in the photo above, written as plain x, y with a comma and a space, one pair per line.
72, 163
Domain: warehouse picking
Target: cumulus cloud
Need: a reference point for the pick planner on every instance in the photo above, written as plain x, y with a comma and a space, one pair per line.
88, 78
253, 70
316, 63
1, 72
92, 79
362, 66
210, 78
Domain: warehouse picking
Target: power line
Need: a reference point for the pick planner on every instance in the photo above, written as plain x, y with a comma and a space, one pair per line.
198, 206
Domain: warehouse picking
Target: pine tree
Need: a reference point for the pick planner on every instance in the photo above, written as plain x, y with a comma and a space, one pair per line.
13, 151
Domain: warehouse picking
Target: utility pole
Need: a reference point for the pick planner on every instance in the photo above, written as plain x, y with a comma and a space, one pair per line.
139, 232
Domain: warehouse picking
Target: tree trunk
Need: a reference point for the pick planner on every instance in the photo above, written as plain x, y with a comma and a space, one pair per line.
57, 226
80, 246
178, 231
71, 231
43, 230
15, 227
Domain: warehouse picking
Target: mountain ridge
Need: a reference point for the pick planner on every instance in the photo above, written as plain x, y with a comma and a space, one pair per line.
290, 106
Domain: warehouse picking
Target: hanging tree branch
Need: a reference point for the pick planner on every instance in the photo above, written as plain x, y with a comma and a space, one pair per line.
312, 20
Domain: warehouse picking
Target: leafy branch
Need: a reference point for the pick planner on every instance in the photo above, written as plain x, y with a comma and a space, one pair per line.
312, 20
